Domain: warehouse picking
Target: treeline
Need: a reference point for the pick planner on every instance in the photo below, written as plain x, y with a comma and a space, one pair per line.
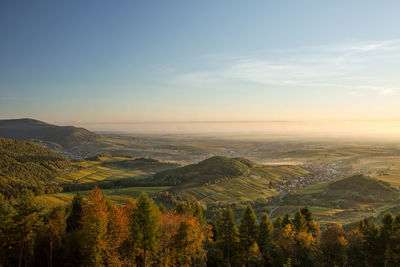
27, 166
94, 232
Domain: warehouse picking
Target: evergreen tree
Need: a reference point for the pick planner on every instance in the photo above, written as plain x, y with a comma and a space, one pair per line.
75, 215
247, 232
355, 249
286, 220
8, 238
278, 222
55, 229
264, 239
374, 253
198, 213
300, 222
227, 235
144, 227
27, 224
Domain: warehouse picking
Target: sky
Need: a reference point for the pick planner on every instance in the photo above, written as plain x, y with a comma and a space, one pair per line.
117, 62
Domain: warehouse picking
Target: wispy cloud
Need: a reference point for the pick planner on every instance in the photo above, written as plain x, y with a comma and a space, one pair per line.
356, 67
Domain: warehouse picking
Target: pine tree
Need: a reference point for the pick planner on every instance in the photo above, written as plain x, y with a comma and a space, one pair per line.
8, 239
74, 218
198, 213
355, 250
247, 232
227, 234
144, 227
299, 222
55, 229
264, 239
27, 224
286, 220
278, 222
309, 219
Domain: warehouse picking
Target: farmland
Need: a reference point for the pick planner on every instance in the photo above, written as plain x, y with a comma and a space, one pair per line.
107, 168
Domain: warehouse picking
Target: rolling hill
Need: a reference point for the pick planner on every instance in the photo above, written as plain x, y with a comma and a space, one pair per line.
361, 188
206, 171
34, 130
24, 165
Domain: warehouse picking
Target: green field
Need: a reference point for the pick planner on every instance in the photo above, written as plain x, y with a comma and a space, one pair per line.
111, 168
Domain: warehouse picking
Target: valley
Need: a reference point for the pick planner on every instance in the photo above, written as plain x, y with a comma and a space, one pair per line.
276, 174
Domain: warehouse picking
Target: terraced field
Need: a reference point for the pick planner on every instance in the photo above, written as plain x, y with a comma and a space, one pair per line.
260, 184
111, 168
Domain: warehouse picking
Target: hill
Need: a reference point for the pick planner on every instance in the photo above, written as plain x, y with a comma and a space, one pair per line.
29, 129
361, 188
206, 171
24, 165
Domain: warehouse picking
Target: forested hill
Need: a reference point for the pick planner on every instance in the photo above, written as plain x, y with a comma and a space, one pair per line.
29, 129
24, 165
208, 170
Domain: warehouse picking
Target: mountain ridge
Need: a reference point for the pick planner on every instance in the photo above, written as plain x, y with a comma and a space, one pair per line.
30, 130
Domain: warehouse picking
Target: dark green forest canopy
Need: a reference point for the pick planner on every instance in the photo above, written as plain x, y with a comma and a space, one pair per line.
24, 165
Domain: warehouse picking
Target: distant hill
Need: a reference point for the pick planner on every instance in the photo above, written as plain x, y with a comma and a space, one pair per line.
29, 129
24, 165
208, 170
361, 188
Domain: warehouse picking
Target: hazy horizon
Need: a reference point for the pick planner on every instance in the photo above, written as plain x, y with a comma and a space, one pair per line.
328, 129
169, 64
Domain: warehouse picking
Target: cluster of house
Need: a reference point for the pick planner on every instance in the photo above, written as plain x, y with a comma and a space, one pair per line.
317, 172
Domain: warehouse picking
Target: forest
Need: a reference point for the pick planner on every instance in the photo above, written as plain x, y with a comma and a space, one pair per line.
93, 231
27, 166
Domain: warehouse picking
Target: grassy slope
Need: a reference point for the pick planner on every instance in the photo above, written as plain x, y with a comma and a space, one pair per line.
259, 183
112, 168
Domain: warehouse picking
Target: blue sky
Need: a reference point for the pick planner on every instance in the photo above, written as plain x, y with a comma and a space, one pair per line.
81, 62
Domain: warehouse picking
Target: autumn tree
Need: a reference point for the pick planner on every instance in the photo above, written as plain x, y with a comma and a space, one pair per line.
189, 242
117, 235
333, 243
93, 236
